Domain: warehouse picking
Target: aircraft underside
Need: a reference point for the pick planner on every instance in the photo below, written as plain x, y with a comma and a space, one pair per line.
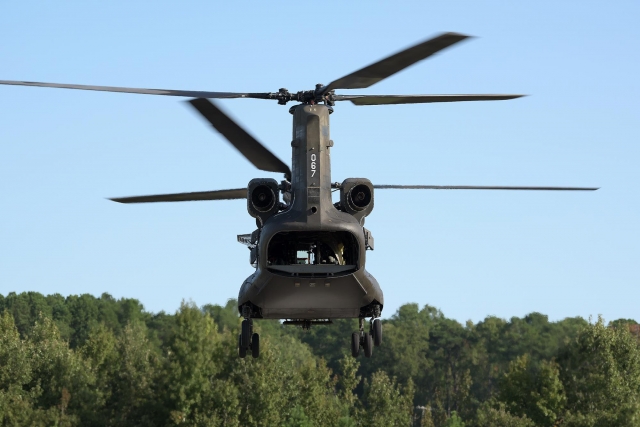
314, 299
321, 296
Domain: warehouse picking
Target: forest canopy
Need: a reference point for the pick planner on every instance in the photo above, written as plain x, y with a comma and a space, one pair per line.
99, 361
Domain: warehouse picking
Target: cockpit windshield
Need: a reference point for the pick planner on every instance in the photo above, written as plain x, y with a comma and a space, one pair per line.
313, 248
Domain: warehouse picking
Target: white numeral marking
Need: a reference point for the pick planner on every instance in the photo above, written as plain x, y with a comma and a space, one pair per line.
313, 164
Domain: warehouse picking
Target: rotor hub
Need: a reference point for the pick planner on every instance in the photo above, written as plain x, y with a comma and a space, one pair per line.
314, 96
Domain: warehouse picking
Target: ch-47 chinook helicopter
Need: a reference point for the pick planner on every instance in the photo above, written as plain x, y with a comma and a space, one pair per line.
309, 253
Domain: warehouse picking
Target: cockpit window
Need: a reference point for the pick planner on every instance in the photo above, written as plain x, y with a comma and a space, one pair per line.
313, 248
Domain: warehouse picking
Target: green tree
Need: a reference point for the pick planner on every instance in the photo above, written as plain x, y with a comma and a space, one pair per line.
104, 361
454, 420
317, 393
269, 387
601, 376
66, 380
226, 317
84, 317
14, 355
298, 418
39, 376
498, 342
61, 315
450, 345
25, 308
386, 402
535, 393
622, 323
348, 381
133, 400
16, 401
489, 415
190, 365
328, 342
101, 353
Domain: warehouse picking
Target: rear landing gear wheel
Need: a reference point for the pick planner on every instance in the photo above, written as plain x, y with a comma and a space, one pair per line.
242, 351
255, 346
368, 345
376, 330
355, 344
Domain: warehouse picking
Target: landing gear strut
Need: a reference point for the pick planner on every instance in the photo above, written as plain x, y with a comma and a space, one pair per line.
248, 340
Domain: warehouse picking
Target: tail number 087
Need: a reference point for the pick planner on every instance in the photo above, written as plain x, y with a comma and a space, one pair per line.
313, 165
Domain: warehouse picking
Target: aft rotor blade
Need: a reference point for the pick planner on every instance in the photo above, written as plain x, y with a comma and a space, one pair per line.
238, 193
255, 152
167, 92
418, 99
480, 187
373, 73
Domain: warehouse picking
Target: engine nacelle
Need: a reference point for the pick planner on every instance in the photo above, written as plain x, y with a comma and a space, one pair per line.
356, 197
263, 199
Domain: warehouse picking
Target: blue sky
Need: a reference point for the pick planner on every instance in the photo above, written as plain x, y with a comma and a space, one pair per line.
471, 254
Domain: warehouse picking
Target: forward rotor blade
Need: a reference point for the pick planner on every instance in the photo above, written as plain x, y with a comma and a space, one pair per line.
255, 152
187, 93
238, 193
480, 187
382, 69
418, 99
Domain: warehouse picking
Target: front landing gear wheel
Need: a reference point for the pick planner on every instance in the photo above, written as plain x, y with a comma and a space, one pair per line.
242, 351
245, 335
368, 345
376, 330
355, 344
255, 346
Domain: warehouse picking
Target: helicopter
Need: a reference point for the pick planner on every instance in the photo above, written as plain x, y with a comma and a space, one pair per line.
308, 252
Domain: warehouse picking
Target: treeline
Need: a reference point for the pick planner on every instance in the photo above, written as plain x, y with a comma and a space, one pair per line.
90, 361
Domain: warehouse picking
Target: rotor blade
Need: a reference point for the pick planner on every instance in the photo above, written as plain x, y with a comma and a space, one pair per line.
418, 99
255, 152
188, 93
238, 193
382, 69
480, 187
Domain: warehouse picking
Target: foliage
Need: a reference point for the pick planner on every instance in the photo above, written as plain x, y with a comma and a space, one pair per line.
601, 374
490, 416
534, 392
101, 361
454, 420
387, 403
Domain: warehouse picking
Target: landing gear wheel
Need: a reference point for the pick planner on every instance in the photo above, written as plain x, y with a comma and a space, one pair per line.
376, 330
255, 346
368, 345
245, 335
242, 351
355, 344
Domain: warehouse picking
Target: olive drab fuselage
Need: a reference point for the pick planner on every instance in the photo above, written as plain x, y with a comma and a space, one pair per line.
283, 289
